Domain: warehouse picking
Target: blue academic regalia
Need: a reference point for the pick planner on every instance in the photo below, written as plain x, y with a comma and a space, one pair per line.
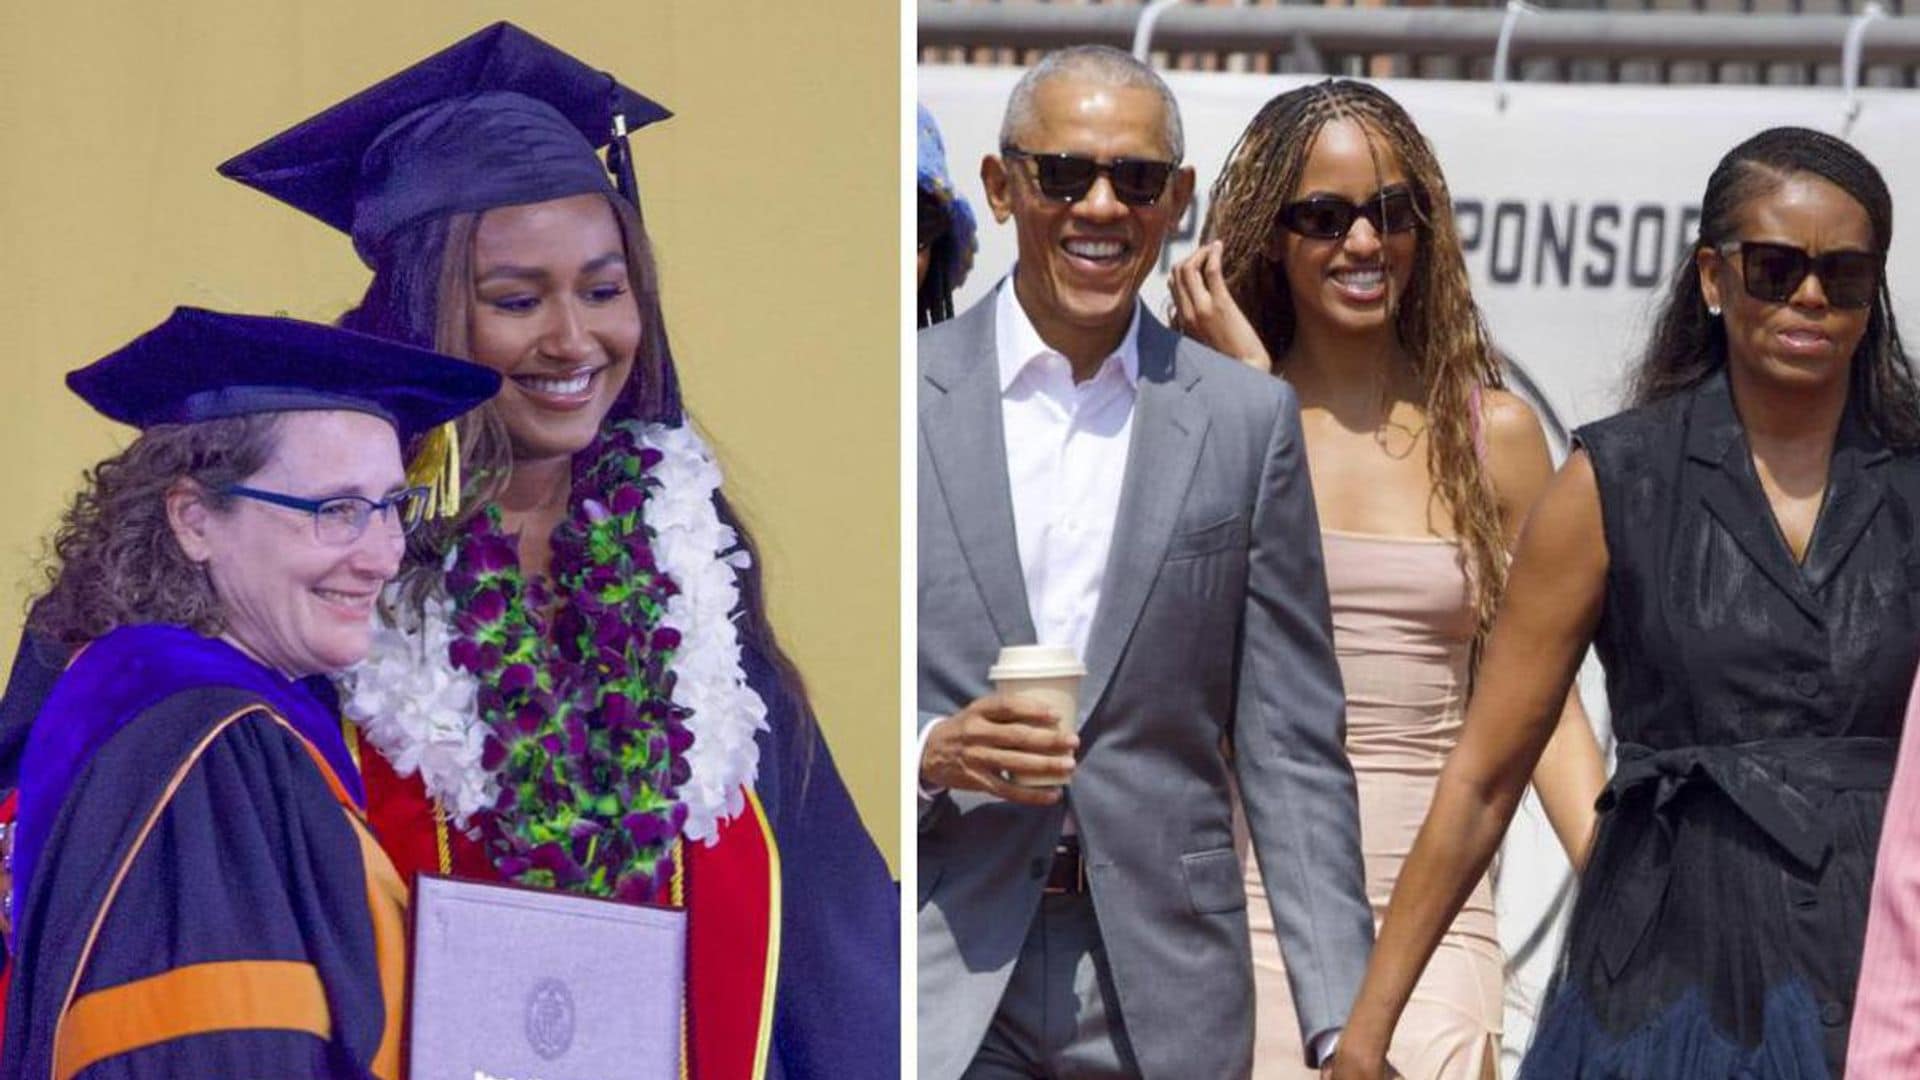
197, 895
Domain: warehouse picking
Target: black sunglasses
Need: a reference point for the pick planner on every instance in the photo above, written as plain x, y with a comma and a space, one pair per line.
934, 222
1068, 177
1774, 272
1328, 217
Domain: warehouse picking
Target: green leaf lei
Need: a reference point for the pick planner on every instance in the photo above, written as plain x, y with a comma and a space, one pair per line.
575, 686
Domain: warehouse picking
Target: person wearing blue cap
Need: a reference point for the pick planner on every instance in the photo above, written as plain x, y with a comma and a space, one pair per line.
195, 890
579, 687
946, 228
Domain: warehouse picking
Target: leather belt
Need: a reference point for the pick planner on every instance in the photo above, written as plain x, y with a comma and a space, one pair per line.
1068, 874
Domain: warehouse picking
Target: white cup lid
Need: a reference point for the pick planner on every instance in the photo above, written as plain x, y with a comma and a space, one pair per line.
1036, 662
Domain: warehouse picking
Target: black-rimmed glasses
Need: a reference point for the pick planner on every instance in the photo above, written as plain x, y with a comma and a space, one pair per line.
1774, 272
342, 519
1328, 217
1068, 177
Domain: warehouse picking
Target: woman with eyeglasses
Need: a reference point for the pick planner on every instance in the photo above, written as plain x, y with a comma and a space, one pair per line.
576, 685
196, 890
946, 228
1738, 548
1330, 257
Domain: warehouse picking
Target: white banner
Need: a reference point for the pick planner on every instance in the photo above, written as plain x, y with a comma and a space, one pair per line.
1575, 204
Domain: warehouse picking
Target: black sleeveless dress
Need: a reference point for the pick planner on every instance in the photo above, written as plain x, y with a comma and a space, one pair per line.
1758, 704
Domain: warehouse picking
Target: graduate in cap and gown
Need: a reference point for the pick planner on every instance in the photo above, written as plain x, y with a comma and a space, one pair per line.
196, 889
578, 687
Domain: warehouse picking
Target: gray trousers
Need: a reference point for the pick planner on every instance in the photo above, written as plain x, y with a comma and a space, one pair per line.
1060, 1017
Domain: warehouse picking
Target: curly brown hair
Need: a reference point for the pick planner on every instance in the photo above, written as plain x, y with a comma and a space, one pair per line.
114, 560
1436, 321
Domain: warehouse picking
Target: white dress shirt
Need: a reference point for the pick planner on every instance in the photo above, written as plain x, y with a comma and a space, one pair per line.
1067, 447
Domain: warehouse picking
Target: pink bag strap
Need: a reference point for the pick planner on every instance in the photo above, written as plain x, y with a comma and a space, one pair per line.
1479, 426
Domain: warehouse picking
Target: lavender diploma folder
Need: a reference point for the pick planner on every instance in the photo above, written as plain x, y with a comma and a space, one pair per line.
519, 984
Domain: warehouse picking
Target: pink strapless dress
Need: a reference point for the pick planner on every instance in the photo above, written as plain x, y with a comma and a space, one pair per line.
1402, 630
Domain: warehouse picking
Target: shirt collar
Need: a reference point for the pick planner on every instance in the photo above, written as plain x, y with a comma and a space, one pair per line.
1019, 344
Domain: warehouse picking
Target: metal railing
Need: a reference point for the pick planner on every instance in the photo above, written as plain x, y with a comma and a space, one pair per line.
1711, 41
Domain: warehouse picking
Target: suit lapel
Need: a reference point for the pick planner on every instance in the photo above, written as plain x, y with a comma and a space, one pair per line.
967, 444
1750, 522
1855, 489
1730, 487
1168, 429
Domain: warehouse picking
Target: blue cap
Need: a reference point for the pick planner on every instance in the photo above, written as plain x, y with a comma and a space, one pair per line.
498, 119
205, 365
935, 181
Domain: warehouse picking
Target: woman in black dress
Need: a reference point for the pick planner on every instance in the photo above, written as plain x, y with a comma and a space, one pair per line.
1737, 548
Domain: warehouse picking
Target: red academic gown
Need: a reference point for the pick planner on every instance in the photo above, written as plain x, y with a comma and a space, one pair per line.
731, 890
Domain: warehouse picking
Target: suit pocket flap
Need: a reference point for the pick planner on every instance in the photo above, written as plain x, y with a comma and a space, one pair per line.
1213, 881
1219, 536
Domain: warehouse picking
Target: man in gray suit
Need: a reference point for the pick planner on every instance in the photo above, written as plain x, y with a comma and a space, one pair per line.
1090, 479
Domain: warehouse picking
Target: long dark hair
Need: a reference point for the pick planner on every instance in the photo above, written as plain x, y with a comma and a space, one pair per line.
936, 292
1689, 344
936, 289
421, 294
1436, 321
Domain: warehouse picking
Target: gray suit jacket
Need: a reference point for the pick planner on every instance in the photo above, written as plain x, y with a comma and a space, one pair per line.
1213, 626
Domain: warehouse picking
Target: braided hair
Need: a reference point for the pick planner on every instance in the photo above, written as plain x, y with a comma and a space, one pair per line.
1689, 344
936, 289
1436, 321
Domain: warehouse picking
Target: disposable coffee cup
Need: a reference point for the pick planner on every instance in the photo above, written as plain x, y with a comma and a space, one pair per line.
1046, 677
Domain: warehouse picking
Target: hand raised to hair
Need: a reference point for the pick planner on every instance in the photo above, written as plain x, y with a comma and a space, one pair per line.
1208, 313
994, 737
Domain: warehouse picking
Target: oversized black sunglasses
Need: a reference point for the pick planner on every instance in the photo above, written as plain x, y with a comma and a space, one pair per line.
1068, 177
1328, 217
1774, 272
344, 518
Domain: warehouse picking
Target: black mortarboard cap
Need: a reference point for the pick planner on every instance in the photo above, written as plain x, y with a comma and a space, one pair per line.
499, 119
205, 365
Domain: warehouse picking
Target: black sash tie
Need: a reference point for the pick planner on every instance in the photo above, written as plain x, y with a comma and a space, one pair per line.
1782, 786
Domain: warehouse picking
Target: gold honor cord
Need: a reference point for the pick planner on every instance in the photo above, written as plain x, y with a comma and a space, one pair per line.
678, 892
436, 467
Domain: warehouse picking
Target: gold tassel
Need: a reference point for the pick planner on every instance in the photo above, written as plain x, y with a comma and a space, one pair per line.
436, 467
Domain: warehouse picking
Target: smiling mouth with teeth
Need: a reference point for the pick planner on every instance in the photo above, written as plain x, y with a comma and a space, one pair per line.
1097, 250
346, 599
566, 386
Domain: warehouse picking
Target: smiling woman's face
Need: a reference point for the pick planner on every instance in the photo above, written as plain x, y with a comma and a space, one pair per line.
295, 602
1803, 342
1354, 284
553, 311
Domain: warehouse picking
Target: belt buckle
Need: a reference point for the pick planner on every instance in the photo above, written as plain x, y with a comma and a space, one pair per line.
1078, 887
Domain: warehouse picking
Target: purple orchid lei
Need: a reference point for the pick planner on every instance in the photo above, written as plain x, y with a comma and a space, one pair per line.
575, 688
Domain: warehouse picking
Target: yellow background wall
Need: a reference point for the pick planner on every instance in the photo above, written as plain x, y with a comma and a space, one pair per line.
772, 197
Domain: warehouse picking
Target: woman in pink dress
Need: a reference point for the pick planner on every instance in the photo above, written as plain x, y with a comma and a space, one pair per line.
1330, 257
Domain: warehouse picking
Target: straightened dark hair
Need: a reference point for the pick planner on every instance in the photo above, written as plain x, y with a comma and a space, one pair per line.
1689, 344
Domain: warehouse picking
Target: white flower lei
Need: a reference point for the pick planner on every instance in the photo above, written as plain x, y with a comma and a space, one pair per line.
421, 712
